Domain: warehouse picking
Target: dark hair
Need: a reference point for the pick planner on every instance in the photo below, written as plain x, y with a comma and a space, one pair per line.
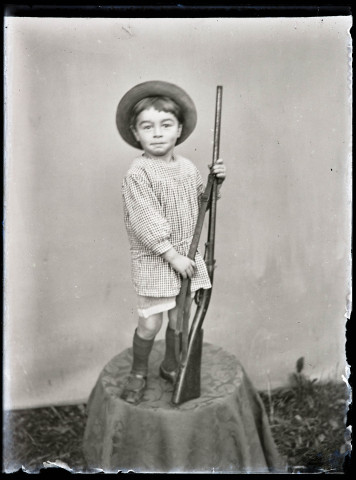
164, 104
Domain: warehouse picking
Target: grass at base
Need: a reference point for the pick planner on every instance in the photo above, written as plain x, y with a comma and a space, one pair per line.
307, 421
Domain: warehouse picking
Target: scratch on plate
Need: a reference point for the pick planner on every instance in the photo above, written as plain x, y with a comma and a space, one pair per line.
128, 30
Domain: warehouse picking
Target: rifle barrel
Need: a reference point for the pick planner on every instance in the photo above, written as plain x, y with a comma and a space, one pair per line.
210, 246
218, 107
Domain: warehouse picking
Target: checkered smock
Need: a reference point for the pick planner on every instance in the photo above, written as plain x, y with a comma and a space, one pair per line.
161, 205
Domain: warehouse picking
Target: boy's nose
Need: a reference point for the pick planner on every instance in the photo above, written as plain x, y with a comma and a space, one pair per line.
157, 131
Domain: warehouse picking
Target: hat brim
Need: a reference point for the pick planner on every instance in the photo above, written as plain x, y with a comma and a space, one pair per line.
151, 89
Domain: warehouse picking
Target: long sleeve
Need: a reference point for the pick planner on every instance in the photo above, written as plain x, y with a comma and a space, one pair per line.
144, 214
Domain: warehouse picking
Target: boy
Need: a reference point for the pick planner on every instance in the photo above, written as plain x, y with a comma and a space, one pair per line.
161, 194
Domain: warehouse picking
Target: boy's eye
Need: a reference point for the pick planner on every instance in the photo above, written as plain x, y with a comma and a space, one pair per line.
167, 125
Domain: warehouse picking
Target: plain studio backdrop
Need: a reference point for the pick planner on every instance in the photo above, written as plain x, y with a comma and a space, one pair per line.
283, 230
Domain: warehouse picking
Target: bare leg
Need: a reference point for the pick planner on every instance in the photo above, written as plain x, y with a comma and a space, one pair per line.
149, 327
173, 314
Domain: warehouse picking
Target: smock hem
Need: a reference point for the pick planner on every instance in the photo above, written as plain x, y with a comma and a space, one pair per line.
147, 306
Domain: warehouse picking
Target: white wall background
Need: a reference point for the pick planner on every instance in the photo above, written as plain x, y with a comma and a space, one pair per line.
283, 234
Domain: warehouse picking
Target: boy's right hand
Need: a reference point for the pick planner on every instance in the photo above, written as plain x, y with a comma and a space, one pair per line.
181, 264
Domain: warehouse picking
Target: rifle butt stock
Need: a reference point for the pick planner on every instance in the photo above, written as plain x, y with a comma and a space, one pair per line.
188, 382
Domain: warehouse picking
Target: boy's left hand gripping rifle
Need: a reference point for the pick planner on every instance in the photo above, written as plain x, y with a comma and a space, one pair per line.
189, 343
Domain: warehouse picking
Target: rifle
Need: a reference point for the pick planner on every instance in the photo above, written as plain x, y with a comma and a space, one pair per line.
189, 343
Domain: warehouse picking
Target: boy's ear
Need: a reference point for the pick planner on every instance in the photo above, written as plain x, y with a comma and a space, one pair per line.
180, 128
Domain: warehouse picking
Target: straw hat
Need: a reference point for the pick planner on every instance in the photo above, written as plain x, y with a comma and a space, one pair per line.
155, 88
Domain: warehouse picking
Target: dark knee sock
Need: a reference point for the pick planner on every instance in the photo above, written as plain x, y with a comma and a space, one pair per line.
141, 352
170, 362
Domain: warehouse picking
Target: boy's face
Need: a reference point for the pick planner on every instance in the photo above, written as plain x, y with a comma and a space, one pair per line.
157, 132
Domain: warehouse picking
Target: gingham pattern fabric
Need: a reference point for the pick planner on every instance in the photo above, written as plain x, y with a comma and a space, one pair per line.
161, 205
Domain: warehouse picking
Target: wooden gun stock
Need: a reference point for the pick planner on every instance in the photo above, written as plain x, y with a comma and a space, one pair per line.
189, 345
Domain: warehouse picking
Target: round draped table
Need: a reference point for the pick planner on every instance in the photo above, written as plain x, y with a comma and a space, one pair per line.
225, 430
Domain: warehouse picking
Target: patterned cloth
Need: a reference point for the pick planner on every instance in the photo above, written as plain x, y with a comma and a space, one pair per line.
225, 430
161, 206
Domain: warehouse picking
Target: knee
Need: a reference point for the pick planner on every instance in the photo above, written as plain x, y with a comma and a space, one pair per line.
149, 327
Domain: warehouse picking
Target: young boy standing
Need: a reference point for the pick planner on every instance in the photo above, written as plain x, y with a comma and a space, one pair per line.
161, 194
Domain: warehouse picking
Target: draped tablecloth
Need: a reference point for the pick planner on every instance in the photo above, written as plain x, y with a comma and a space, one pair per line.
225, 430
